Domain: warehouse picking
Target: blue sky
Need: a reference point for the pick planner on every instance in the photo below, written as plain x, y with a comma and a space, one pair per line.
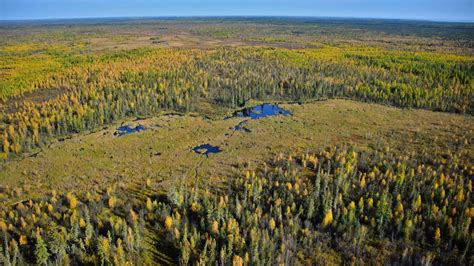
445, 10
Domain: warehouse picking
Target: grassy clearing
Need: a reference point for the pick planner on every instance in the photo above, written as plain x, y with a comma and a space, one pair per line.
164, 154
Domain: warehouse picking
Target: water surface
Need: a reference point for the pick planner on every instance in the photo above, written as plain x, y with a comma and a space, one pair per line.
127, 129
261, 111
257, 112
206, 149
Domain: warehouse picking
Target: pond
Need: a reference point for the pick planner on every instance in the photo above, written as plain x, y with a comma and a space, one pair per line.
257, 112
127, 129
261, 111
205, 149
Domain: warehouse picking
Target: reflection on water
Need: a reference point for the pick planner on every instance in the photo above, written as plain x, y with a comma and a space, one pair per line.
205, 149
124, 130
257, 112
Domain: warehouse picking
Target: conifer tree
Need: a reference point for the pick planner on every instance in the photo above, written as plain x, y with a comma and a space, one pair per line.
41, 251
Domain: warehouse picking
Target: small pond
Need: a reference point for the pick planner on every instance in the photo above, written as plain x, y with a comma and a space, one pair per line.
257, 112
205, 149
261, 111
127, 129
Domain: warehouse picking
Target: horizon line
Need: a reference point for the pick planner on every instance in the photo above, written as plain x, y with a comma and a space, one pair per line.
236, 16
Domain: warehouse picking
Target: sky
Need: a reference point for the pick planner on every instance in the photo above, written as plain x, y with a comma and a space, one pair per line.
439, 10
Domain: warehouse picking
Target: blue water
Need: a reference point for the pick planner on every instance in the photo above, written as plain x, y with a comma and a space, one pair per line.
205, 149
257, 112
124, 130
261, 111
